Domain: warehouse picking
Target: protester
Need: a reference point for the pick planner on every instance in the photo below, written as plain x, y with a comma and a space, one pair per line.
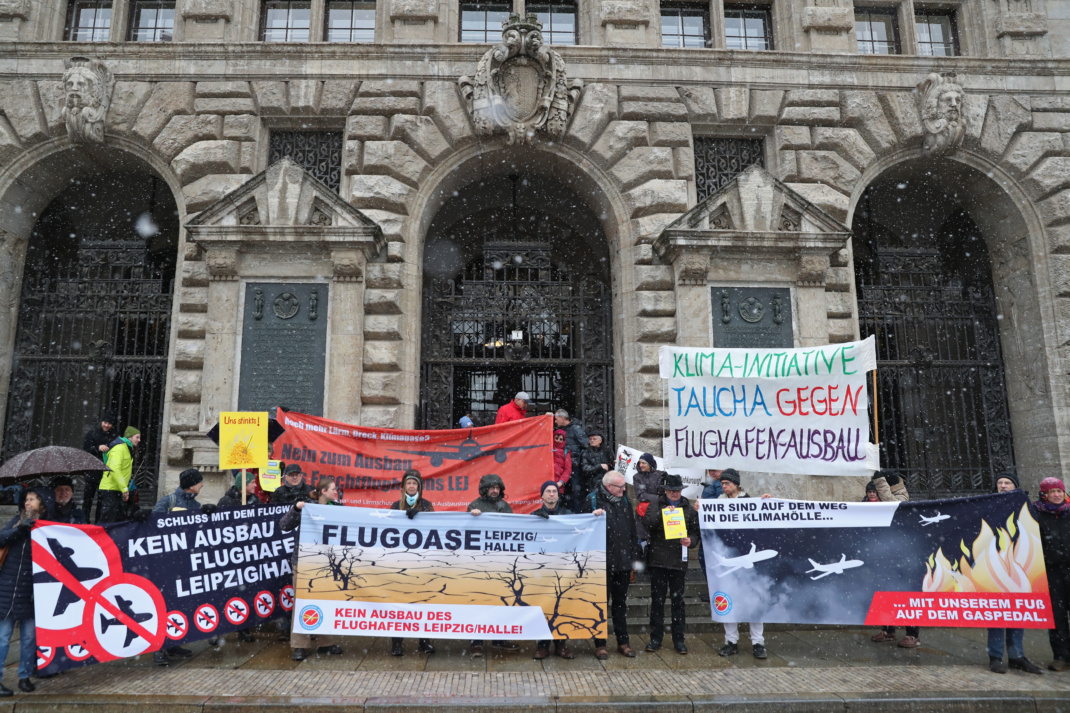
293, 489
466, 421
891, 488
576, 440
16, 584
1006, 483
730, 484
647, 485
595, 462
412, 502
710, 491
1052, 513
667, 562
562, 460
325, 493
116, 484
515, 410
96, 443
871, 496
232, 499
610, 500
190, 482
551, 506
491, 499
66, 510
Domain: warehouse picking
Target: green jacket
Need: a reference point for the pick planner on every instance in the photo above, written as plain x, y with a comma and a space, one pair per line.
120, 458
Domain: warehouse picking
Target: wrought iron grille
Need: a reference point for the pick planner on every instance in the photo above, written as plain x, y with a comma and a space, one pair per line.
318, 152
942, 400
92, 336
718, 161
511, 322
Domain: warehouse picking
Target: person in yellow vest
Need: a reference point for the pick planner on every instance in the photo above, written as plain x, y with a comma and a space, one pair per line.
117, 483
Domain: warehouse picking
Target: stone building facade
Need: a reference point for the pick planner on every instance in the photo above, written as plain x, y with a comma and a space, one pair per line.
685, 175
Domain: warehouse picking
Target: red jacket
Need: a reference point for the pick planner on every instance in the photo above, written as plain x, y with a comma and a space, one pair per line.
510, 412
562, 465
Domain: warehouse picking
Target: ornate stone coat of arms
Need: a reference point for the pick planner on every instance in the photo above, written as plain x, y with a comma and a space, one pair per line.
520, 86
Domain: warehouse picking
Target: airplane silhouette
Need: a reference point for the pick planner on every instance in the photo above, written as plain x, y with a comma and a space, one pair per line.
833, 568
82, 574
126, 607
468, 450
744, 561
580, 531
926, 521
549, 539
382, 513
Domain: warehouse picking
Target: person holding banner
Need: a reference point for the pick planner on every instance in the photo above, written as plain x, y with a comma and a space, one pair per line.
647, 485
190, 482
551, 506
672, 525
293, 489
1052, 513
411, 502
890, 488
325, 493
232, 499
515, 410
491, 499
610, 500
730, 485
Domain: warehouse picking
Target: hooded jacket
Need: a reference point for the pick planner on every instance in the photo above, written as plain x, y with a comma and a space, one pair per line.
422, 504
16, 574
666, 553
120, 458
483, 503
562, 459
179, 500
510, 412
647, 489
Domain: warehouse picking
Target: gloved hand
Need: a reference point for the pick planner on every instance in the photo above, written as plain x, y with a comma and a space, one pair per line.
208, 509
27, 525
411, 512
141, 515
892, 479
543, 515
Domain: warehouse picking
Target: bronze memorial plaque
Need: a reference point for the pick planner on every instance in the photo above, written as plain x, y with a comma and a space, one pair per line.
752, 317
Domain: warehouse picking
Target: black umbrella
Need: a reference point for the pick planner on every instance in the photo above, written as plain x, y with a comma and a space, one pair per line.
50, 460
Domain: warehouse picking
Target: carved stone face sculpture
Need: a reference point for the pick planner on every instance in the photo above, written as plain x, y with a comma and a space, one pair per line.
942, 117
87, 85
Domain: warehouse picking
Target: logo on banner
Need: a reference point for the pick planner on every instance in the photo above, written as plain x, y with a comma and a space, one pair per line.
45, 654
206, 618
177, 625
236, 611
265, 603
286, 597
125, 615
722, 603
311, 617
77, 652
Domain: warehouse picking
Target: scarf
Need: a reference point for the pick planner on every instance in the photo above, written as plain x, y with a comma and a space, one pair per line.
1059, 511
411, 499
608, 495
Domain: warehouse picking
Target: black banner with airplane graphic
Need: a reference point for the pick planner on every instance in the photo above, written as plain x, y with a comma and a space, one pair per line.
124, 589
969, 562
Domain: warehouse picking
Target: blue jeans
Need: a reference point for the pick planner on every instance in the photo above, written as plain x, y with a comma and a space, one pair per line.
27, 644
1014, 643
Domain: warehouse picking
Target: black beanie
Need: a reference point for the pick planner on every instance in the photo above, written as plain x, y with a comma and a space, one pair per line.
731, 475
189, 477
1009, 476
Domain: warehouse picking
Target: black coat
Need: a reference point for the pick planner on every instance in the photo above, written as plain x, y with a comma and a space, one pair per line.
16, 574
69, 513
622, 543
96, 437
666, 553
422, 505
286, 495
591, 471
576, 440
232, 499
546, 512
1054, 538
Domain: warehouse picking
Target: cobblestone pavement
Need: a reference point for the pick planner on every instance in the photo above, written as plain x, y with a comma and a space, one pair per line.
804, 665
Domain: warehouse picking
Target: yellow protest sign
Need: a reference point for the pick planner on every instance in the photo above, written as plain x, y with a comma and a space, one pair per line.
272, 477
673, 520
243, 439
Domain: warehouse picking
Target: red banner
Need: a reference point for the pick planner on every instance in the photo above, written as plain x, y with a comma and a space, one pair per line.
367, 463
995, 610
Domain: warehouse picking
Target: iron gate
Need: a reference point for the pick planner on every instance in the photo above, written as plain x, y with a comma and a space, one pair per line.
942, 400
92, 336
511, 322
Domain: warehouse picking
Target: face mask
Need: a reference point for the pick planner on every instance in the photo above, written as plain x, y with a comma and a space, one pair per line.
411, 499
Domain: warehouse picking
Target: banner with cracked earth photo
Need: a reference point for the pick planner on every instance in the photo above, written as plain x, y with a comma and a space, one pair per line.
125, 589
367, 463
444, 575
968, 562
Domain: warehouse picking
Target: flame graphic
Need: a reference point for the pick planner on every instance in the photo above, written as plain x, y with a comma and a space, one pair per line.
1007, 560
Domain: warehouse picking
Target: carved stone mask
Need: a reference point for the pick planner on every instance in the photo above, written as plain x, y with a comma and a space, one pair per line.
942, 117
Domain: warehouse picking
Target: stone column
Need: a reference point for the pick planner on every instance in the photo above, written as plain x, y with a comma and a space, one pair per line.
810, 299
692, 299
12, 259
345, 369
221, 334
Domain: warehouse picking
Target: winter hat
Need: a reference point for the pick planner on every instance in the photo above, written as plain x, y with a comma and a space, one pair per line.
1009, 476
130, 432
549, 484
596, 432
109, 417
649, 461
412, 475
291, 469
560, 431
466, 422
1051, 484
188, 478
523, 396
249, 477
731, 475
61, 480
871, 487
672, 481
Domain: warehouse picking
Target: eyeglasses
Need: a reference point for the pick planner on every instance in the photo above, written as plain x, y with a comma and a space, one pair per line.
611, 485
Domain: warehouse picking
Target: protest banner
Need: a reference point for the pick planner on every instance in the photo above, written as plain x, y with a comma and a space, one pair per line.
692, 477
109, 592
363, 572
367, 464
969, 562
770, 410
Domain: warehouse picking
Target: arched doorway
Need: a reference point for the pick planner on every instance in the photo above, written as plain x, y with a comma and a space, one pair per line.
94, 315
516, 298
925, 292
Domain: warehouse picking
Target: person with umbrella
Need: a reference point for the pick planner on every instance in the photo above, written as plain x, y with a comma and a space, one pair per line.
66, 510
